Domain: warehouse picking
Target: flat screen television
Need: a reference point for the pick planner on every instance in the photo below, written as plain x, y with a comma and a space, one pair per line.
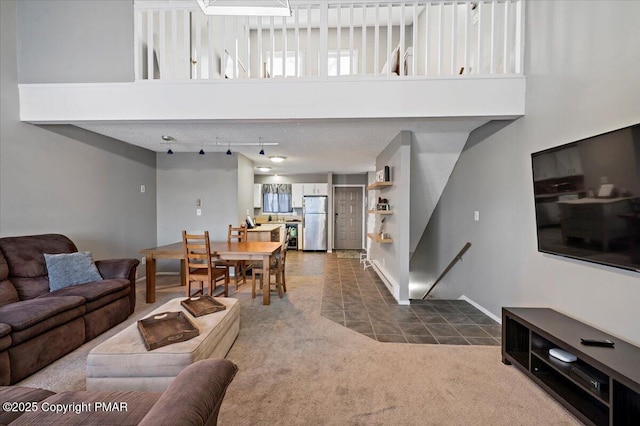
587, 199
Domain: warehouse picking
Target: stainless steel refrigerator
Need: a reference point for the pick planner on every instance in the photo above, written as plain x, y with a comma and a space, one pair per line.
314, 236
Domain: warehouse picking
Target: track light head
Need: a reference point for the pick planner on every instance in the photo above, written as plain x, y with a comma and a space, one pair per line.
170, 151
201, 152
229, 152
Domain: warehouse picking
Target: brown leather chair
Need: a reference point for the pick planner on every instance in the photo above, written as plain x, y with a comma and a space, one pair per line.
199, 266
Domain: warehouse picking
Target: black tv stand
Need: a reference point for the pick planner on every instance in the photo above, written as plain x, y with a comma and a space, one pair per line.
613, 399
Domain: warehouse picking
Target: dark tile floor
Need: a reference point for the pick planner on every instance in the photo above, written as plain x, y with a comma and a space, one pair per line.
359, 300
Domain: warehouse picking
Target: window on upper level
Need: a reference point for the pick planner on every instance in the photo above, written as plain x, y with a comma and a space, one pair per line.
343, 57
290, 64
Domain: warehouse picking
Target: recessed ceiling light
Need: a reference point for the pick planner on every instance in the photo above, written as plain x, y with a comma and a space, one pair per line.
167, 138
277, 159
264, 169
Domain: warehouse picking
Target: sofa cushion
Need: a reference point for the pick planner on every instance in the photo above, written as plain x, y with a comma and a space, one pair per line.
28, 288
127, 408
27, 313
8, 293
96, 294
91, 291
4, 268
5, 339
67, 269
25, 255
19, 394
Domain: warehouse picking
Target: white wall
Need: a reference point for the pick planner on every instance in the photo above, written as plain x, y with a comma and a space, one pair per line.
62, 179
582, 64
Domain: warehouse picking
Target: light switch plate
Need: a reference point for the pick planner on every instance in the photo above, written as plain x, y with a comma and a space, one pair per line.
476, 215
198, 212
142, 188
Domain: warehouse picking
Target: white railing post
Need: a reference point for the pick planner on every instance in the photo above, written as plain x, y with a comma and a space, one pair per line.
338, 38
519, 51
137, 44
363, 56
150, 45
323, 66
351, 57
297, 39
402, 42
376, 46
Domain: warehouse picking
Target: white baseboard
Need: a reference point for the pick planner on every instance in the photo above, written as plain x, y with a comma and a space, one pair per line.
480, 308
392, 286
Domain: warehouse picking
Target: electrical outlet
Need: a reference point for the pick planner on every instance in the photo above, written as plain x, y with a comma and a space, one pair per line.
143, 260
476, 215
142, 188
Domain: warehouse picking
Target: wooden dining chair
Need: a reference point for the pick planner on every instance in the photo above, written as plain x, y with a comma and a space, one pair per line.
199, 266
238, 234
276, 268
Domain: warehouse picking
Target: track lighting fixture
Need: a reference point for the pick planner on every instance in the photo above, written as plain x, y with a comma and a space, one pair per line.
170, 151
261, 147
229, 149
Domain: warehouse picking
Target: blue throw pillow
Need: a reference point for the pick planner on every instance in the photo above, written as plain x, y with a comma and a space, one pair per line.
67, 269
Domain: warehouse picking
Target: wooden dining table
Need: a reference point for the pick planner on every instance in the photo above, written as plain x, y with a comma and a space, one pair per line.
246, 250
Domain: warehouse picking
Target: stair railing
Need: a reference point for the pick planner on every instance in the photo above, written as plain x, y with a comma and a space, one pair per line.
449, 267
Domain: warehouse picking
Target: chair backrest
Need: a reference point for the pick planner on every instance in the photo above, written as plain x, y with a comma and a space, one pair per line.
238, 234
197, 251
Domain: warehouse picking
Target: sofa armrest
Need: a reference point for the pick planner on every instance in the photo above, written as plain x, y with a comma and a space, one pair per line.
123, 269
195, 395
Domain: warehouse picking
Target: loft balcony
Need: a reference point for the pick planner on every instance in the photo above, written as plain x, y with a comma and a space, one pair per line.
330, 59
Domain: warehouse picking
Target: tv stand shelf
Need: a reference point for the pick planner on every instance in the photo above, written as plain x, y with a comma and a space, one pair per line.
529, 333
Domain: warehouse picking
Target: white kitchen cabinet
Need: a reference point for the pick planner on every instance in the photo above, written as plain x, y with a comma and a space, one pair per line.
316, 189
257, 195
297, 192
544, 167
322, 189
568, 162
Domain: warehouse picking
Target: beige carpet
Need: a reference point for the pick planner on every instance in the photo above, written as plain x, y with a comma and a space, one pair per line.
297, 367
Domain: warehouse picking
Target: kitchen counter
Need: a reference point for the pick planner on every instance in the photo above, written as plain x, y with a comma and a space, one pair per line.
265, 232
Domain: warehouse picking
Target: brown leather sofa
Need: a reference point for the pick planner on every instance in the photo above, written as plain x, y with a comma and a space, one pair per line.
37, 326
193, 398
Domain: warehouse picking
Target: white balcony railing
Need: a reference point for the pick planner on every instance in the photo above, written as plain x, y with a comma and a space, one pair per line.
331, 39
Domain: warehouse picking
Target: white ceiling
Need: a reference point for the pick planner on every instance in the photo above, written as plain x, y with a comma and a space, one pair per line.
311, 146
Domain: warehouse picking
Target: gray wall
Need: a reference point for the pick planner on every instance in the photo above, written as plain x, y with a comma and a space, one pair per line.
393, 258
75, 41
583, 72
352, 179
62, 179
245, 188
185, 177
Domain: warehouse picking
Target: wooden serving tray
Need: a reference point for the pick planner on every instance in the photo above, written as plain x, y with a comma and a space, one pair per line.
166, 328
202, 305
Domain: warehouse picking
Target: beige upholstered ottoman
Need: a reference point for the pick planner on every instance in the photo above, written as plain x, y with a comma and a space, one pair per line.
123, 363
